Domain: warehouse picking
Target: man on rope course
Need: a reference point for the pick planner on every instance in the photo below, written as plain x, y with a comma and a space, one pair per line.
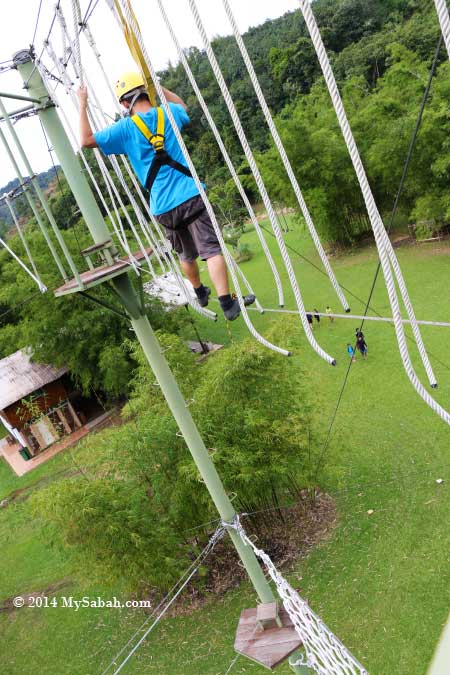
153, 150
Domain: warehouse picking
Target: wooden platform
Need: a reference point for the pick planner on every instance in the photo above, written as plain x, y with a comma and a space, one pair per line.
92, 278
268, 647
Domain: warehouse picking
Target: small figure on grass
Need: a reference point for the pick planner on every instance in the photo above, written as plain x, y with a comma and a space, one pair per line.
328, 311
351, 352
310, 319
362, 346
317, 315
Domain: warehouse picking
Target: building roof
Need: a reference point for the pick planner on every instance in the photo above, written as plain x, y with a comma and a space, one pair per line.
19, 376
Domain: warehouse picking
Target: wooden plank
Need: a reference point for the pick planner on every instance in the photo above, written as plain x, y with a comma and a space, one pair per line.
268, 647
99, 274
96, 247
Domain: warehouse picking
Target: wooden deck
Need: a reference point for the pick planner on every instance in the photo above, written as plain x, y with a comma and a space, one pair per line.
268, 647
92, 278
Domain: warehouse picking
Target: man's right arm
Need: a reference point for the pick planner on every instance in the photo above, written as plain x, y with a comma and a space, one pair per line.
87, 139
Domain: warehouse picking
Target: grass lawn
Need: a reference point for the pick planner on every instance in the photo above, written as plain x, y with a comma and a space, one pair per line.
381, 582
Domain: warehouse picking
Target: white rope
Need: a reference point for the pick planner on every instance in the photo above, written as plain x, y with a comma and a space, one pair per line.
259, 181
382, 240
156, 241
325, 653
121, 235
225, 154
114, 163
35, 278
193, 303
178, 136
444, 20
8, 202
357, 317
75, 44
117, 226
284, 158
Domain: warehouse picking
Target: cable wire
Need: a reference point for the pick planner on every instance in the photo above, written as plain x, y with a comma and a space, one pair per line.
37, 22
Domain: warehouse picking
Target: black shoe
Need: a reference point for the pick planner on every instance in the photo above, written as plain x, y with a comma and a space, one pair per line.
203, 299
233, 312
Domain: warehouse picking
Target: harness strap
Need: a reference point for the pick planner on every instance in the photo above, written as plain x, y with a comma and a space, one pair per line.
161, 157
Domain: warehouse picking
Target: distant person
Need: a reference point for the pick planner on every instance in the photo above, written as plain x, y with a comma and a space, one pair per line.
362, 347
328, 311
310, 319
351, 352
317, 315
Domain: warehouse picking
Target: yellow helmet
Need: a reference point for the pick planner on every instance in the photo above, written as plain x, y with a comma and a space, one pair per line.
127, 82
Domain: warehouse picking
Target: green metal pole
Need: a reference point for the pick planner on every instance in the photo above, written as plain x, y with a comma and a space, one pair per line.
141, 325
33, 207
39, 192
26, 108
17, 97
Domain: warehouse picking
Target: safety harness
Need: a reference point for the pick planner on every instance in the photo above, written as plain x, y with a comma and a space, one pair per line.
162, 157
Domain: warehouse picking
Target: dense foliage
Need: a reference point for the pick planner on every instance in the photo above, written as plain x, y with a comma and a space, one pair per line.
124, 515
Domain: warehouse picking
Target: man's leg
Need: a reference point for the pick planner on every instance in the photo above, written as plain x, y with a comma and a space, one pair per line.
190, 268
218, 272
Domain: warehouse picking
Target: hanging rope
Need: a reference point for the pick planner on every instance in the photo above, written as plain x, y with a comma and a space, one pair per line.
384, 246
225, 154
325, 653
444, 21
133, 45
112, 191
133, 26
261, 187
284, 158
35, 278
32, 204
40, 194
76, 48
8, 202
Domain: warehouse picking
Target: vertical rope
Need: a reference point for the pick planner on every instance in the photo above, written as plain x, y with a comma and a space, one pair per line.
77, 23
131, 22
225, 154
261, 187
444, 21
284, 158
8, 202
383, 246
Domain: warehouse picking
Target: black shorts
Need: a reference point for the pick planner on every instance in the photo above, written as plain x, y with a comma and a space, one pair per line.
197, 238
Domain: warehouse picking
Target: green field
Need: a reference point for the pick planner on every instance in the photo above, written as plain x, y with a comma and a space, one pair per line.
381, 582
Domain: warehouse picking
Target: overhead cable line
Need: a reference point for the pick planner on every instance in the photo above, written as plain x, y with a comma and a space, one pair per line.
37, 22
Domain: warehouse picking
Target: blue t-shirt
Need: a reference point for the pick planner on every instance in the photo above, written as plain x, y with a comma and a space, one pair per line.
171, 187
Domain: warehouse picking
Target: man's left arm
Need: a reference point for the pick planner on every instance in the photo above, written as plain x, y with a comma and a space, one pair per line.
87, 139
